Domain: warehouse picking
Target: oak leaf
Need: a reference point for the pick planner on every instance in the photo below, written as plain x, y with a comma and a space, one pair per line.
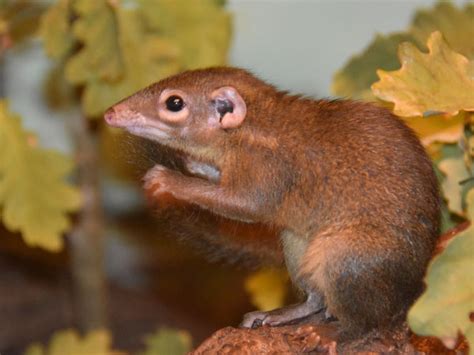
440, 81
455, 171
34, 196
455, 23
56, 31
445, 307
200, 28
355, 78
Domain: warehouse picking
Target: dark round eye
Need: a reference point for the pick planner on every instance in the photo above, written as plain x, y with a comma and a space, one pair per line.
174, 103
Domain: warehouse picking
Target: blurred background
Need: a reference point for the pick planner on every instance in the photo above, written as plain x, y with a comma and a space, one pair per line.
145, 278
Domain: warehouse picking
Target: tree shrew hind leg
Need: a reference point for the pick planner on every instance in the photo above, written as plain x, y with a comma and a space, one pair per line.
285, 315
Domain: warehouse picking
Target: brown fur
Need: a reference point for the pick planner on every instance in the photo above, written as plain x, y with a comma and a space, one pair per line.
347, 182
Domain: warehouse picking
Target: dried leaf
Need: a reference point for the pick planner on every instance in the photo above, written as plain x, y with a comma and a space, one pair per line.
68, 342
440, 81
267, 288
444, 308
168, 341
34, 197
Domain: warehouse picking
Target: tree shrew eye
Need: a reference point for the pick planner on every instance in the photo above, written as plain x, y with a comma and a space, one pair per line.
174, 103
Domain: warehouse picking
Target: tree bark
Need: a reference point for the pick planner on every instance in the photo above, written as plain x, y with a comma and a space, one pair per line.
86, 239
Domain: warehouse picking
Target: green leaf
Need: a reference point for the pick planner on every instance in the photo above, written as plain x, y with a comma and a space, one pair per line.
355, 78
267, 288
34, 198
118, 56
441, 80
68, 342
55, 29
166, 341
200, 28
456, 25
445, 307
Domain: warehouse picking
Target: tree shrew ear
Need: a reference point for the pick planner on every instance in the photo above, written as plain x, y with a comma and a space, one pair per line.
230, 106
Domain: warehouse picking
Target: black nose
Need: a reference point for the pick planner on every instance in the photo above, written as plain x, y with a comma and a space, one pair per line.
110, 116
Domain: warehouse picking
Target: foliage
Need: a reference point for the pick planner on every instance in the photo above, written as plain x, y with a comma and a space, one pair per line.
441, 81
34, 196
267, 288
359, 73
356, 77
19, 19
68, 342
166, 341
444, 308
122, 49
434, 91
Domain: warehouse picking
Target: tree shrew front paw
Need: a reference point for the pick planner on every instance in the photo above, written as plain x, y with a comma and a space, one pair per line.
159, 180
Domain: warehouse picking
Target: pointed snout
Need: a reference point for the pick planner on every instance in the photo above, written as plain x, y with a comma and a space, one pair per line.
110, 116
119, 115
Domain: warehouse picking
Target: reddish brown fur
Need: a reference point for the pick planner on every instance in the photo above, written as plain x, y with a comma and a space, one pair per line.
347, 180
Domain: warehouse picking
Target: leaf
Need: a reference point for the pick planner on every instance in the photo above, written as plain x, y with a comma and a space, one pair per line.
34, 198
20, 19
200, 28
118, 56
267, 288
440, 81
68, 342
125, 47
444, 308
454, 23
455, 171
437, 128
355, 78
167, 341
55, 29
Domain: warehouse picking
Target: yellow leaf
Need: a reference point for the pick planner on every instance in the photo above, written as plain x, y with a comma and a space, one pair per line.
200, 28
34, 197
441, 81
267, 288
455, 171
68, 342
355, 78
55, 29
168, 341
437, 128
119, 56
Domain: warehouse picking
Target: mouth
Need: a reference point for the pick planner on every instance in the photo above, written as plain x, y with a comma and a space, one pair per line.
137, 124
149, 132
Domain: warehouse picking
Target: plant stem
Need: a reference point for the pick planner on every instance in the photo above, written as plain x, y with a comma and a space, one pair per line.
86, 238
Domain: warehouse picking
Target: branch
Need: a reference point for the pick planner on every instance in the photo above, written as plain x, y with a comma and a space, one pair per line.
86, 238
